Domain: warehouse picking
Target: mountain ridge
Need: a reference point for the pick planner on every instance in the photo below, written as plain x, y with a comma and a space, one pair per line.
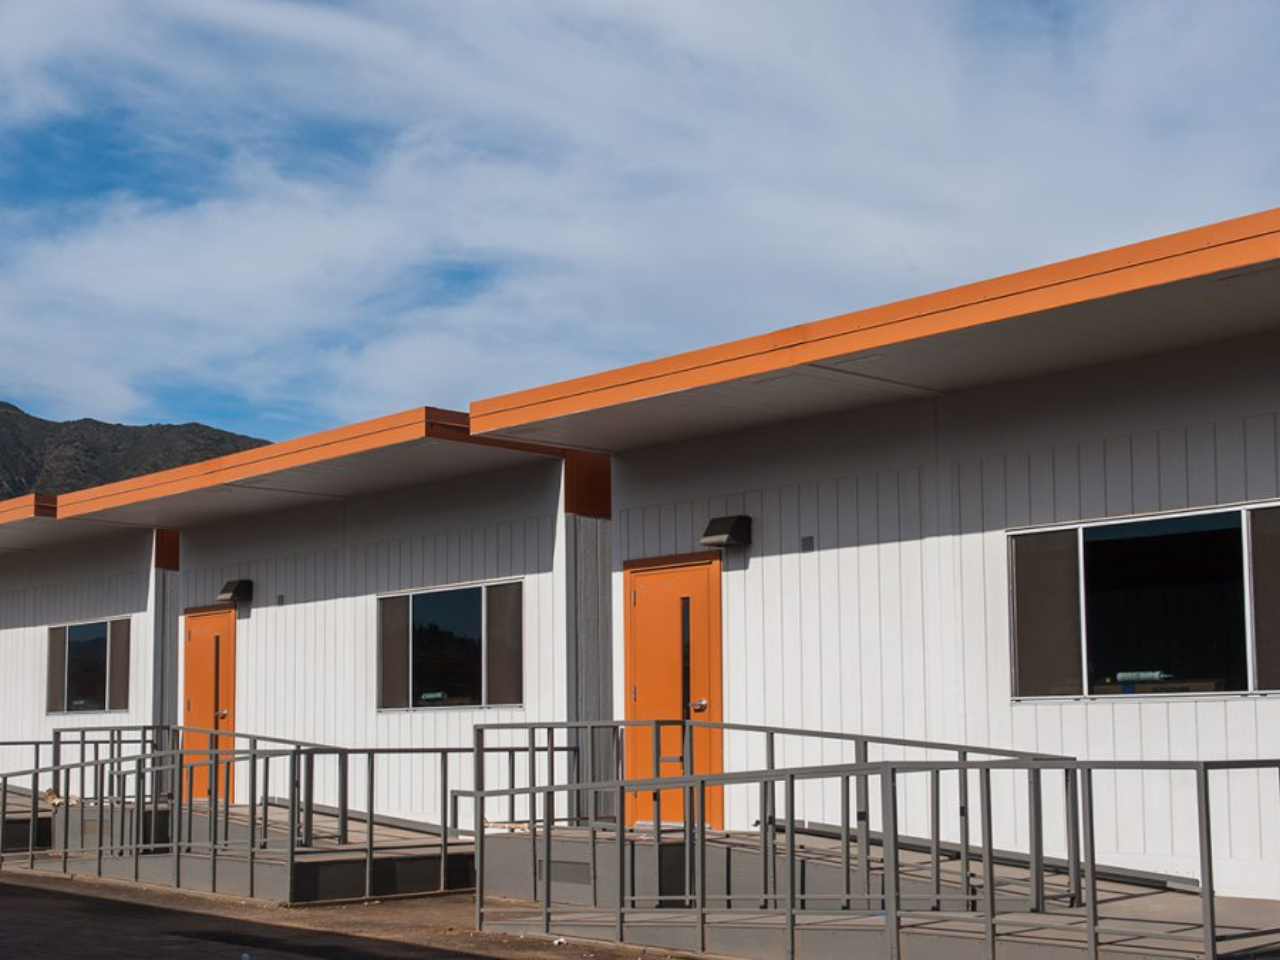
54, 457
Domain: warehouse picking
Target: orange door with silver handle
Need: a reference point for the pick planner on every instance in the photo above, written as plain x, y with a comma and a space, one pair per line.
673, 673
209, 696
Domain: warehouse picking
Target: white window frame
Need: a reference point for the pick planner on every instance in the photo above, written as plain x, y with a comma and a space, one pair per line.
1243, 509
66, 711
484, 642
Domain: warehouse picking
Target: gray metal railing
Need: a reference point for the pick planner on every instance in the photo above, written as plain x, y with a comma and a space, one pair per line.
592, 799
144, 792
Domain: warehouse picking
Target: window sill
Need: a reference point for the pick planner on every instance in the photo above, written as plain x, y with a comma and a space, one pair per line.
1148, 697
472, 708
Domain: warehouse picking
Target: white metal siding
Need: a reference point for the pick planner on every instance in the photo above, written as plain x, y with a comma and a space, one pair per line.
898, 623
306, 650
107, 578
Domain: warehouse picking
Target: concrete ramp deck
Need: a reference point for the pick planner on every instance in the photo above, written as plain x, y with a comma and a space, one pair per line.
1141, 918
15, 828
217, 855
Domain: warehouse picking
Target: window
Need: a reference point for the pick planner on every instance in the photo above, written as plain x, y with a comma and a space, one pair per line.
452, 648
89, 667
1148, 606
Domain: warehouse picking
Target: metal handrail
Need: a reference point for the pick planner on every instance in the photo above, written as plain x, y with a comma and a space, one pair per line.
563, 803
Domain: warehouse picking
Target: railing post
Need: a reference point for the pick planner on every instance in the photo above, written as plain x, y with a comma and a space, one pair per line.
846, 853
988, 862
1090, 865
1205, 825
478, 846
175, 820
620, 839
309, 799
370, 779
966, 878
768, 818
701, 821
444, 820
291, 852
863, 800
935, 837
548, 824
1036, 839
343, 757
251, 833
791, 865
1073, 836
890, 880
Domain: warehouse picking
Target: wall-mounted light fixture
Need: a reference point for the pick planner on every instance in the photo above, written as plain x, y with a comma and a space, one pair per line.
236, 591
727, 532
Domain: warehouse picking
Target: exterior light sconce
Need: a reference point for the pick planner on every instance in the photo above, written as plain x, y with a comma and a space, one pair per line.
727, 532
236, 591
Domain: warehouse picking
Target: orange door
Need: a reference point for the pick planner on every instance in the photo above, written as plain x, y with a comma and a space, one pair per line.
673, 673
209, 693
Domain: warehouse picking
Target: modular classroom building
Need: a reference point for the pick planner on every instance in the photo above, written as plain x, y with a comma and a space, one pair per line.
1040, 512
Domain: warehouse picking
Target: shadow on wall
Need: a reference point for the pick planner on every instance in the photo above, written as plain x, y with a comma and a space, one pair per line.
1167, 432
485, 527
106, 577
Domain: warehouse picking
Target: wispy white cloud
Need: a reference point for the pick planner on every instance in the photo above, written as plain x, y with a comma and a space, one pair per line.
328, 211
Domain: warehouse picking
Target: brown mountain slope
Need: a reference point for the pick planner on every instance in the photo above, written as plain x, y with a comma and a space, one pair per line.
45, 456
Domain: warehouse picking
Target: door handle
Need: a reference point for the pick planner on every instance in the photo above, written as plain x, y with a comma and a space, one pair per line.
222, 714
699, 706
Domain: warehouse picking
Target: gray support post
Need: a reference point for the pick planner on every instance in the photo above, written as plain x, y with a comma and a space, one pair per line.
1036, 839
619, 930
988, 862
478, 815
890, 878
1072, 787
863, 800
1090, 865
444, 820
343, 758
701, 820
291, 852
175, 820
935, 837
846, 865
791, 865
1208, 917
548, 825
370, 782
966, 877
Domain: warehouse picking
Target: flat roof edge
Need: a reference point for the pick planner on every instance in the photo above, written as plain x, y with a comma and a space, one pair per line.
415, 424
27, 507
1231, 244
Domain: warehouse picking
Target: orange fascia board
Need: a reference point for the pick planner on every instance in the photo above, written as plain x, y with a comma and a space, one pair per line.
27, 507
417, 424
1229, 245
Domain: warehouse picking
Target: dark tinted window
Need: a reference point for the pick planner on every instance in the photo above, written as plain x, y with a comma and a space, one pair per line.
446, 655
1265, 537
56, 698
1046, 614
87, 666
504, 625
1164, 603
393, 652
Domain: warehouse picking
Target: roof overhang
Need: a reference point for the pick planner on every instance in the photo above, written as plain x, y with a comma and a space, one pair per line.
418, 446
1204, 285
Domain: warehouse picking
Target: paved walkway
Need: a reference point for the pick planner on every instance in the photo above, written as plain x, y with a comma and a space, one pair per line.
53, 918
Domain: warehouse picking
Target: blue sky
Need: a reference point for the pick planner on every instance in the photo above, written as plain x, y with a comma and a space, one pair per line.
278, 216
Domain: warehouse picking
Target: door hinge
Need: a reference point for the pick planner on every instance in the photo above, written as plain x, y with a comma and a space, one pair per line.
633, 598
633, 693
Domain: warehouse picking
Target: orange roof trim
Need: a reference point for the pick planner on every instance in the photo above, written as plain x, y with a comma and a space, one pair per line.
420, 423
28, 507
1232, 244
